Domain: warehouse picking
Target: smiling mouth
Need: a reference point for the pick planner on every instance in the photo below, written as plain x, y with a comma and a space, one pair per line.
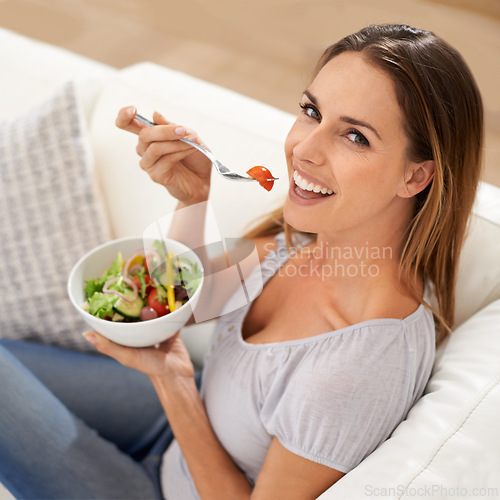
310, 190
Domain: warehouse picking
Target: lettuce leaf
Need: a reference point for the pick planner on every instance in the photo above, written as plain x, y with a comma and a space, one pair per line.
93, 286
101, 304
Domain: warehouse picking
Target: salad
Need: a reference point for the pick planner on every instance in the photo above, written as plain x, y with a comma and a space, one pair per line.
149, 284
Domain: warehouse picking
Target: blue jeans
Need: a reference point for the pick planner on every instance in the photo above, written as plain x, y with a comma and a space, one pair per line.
77, 425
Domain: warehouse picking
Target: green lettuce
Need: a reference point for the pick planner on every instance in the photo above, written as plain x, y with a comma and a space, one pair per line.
93, 286
101, 304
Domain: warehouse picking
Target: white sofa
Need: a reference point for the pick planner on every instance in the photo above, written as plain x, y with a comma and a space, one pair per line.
449, 445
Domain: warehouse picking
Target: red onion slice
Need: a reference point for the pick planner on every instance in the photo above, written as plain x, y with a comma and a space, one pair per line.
129, 261
128, 281
134, 269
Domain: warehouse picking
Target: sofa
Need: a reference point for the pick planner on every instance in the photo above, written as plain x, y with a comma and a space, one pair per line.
69, 180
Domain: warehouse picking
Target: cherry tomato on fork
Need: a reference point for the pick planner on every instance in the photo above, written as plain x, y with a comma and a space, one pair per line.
263, 175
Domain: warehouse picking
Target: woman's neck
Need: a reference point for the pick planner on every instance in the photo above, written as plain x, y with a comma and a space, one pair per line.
360, 272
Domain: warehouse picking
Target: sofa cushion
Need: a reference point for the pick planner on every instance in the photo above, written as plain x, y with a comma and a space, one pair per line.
448, 445
478, 282
51, 215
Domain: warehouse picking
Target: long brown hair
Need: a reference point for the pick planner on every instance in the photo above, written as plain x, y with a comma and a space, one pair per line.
443, 119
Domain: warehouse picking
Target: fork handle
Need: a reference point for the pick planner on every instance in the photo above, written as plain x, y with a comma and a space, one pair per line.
221, 168
147, 122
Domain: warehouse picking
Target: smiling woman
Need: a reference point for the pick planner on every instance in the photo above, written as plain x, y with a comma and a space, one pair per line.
304, 382
416, 107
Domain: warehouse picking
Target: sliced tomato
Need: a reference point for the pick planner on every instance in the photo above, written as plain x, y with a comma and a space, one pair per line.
135, 279
154, 302
147, 280
263, 175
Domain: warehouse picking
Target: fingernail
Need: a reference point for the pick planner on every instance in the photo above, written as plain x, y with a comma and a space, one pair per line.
131, 111
180, 131
90, 337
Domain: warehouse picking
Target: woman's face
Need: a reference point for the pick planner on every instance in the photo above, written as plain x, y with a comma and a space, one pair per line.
347, 143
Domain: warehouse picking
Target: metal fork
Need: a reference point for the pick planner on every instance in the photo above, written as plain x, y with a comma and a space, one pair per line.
221, 169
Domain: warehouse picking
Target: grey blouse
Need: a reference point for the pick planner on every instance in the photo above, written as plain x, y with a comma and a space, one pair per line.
331, 398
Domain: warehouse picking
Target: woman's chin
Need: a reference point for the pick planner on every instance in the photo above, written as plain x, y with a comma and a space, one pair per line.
298, 221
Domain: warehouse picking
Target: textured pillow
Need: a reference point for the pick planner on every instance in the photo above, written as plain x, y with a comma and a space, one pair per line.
50, 216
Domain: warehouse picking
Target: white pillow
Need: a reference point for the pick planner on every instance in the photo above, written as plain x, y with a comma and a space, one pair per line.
51, 216
478, 281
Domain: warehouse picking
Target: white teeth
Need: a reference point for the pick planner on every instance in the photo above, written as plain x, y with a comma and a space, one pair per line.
309, 186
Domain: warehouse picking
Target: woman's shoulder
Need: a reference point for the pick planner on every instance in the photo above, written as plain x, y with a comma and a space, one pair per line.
371, 354
376, 344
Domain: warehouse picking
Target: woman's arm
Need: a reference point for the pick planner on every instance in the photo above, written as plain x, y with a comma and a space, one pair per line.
287, 475
216, 476
214, 473
177, 166
170, 369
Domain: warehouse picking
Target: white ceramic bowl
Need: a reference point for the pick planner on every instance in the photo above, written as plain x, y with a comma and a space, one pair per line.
142, 333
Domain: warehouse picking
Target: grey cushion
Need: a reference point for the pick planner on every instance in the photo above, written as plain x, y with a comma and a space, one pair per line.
50, 216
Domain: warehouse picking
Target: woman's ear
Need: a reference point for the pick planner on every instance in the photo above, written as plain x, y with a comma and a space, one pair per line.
417, 177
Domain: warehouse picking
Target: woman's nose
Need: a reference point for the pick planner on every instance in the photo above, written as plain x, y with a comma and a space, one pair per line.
310, 147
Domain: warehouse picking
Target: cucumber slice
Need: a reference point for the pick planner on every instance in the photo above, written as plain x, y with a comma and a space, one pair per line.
130, 310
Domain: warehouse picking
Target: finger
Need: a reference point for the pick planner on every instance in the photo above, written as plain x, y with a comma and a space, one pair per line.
160, 119
161, 133
166, 345
158, 134
127, 356
169, 154
125, 120
166, 136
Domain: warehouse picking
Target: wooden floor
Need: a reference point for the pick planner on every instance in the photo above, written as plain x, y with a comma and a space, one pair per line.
262, 48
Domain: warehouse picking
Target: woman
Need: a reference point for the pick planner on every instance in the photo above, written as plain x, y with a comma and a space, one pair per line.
306, 381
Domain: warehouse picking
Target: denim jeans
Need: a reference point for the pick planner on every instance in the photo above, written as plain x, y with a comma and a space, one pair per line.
77, 425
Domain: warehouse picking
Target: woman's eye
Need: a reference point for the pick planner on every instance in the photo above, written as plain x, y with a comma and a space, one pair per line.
357, 138
311, 111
